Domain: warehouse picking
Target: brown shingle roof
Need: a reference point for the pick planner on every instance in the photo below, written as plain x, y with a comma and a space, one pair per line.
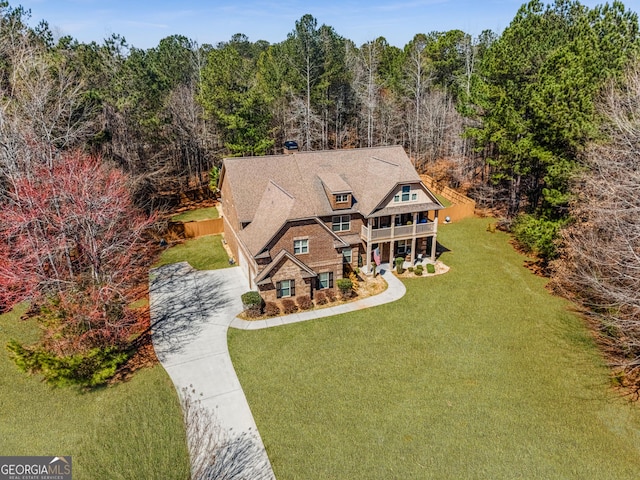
270, 190
334, 182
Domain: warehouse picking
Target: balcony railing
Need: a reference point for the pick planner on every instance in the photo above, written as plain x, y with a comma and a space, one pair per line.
402, 231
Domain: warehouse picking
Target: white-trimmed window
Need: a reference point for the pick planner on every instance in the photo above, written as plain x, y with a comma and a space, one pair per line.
285, 288
403, 247
347, 255
325, 280
301, 246
342, 198
341, 223
405, 195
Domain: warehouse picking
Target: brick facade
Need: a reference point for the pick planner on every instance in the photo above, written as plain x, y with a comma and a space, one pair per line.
328, 201
323, 256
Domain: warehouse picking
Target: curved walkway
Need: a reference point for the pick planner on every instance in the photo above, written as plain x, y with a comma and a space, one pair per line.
395, 290
191, 312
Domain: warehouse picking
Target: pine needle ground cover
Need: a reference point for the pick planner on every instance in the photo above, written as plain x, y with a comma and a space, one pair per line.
130, 430
477, 373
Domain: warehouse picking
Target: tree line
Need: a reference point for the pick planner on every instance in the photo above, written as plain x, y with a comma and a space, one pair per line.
516, 119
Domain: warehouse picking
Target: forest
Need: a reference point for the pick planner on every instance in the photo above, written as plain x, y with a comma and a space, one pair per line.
540, 124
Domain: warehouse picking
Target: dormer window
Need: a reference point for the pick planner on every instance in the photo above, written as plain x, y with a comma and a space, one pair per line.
342, 198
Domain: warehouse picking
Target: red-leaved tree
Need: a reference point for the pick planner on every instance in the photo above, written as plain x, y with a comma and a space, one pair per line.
71, 238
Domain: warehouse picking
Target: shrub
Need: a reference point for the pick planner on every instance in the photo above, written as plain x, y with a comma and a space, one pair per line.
400, 265
355, 285
538, 236
345, 286
289, 306
251, 299
252, 303
431, 268
304, 302
411, 268
331, 295
419, 269
254, 311
89, 369
271, 309
321, 298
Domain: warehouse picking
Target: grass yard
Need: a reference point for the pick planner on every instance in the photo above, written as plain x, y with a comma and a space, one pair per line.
204, 253
445, 203
207, 213
130, 430
478, 373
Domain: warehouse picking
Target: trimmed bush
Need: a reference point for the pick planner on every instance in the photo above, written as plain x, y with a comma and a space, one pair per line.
418, 270
252, 303
304, 302
411, 269
251, 299
345, 286
400, 265
271, 309
331, 295
431, 268
321, 298
254, 311
289, 306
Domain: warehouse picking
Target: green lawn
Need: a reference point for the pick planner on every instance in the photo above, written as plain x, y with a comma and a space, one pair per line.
208, 213
204, 253
131, 430
478, 373
445, 203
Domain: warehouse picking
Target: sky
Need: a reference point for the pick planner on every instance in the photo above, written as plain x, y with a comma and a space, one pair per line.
144, 23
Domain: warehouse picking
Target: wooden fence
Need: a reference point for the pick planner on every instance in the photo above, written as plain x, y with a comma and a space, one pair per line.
462, 206
199, 228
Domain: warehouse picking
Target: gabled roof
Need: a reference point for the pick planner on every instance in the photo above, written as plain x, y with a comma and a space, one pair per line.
271, 190
266, 273
272, 211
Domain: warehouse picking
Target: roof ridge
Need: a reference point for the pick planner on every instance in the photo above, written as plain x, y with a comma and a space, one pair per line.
282, 189
386, 161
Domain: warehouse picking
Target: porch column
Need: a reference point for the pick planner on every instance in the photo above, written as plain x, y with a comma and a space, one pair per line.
392, 242
413, 237
433, 247
413, 249
369, 227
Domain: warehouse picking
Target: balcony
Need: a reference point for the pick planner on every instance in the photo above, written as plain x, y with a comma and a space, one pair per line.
399, 232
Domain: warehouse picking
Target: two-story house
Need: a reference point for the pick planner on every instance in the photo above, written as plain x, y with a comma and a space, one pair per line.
293, 221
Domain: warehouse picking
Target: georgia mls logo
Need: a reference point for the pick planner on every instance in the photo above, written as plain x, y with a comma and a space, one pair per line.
35, 468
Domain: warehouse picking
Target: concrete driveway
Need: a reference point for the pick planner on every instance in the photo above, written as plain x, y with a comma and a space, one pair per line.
191, 311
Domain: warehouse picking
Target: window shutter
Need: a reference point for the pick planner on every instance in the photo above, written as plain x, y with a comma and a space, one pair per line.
293, 288
278, 289
330, 279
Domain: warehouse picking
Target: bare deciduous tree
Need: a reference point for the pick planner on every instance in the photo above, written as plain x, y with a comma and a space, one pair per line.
600, 266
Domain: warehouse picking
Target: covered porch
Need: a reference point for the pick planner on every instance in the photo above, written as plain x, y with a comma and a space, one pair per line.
408, 234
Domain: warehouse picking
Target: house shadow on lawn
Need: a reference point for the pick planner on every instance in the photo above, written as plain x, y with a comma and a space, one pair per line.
440, 249
180, 298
